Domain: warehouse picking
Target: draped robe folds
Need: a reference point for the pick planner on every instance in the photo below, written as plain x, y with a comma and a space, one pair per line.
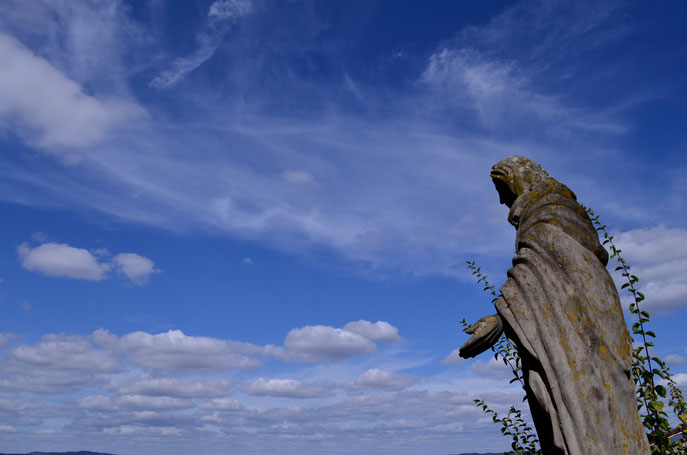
561, 309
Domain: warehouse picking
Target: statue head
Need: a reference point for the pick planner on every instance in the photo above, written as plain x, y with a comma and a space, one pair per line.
516, 175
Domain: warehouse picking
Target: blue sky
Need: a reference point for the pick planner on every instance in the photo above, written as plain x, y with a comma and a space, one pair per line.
242, 225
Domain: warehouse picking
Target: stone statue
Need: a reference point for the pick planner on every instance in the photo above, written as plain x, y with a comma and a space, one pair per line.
560, 308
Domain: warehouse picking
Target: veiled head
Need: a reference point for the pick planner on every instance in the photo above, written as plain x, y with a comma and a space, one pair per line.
516, 175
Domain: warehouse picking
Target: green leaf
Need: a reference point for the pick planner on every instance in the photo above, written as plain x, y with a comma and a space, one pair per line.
656, 406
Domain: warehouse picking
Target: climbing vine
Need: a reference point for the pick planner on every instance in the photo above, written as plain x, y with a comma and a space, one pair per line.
648, 370
524, 439
656, 391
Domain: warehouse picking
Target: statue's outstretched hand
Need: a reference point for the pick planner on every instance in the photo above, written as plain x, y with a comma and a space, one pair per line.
485, 333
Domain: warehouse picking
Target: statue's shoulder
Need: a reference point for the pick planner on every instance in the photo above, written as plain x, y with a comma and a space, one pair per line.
550, 191
552, 186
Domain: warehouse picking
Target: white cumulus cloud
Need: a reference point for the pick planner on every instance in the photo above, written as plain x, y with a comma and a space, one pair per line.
493, 368
62, 260
96, 403
314, 342
658, 256
152, 403
675, 360
453, 358
133, 402
39, 102
382, 380
173, 350
379, 331
680, 379
170, 387
136, 268
297, 177
5, 338
286, 388
221, 404
66, 352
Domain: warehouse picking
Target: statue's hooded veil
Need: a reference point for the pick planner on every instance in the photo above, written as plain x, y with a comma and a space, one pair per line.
516, 175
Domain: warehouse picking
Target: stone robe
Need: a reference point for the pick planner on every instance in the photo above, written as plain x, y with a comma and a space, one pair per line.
561, 309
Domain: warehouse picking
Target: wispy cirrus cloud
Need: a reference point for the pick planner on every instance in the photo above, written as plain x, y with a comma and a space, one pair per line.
223, 10
222, 14
401, 184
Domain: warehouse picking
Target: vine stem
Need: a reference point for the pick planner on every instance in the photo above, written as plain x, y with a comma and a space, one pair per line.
497, 349
631, 279
525, 440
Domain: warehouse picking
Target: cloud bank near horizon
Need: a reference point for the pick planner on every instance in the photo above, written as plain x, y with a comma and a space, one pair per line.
174, 386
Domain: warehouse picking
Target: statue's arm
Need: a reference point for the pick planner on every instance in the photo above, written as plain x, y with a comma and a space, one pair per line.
485, 333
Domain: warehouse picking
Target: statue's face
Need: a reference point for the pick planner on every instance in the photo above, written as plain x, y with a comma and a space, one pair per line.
506, 195
516, 175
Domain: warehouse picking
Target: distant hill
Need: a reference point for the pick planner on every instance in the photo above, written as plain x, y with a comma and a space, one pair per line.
471, 453
83, 452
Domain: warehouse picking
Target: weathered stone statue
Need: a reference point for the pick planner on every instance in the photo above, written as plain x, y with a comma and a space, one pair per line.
560, 308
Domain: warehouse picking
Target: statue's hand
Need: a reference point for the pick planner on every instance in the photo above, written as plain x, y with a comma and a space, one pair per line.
485, 333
